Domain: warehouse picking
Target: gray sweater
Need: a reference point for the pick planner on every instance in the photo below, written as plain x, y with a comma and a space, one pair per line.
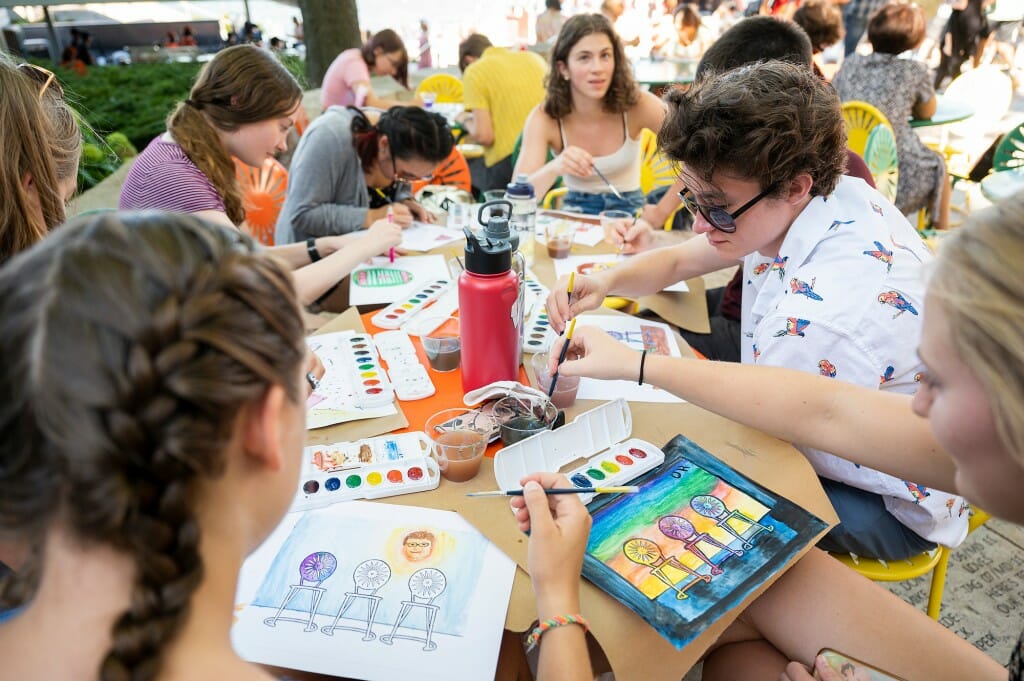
327, 191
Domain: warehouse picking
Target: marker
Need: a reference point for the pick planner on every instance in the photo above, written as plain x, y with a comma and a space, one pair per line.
625, 489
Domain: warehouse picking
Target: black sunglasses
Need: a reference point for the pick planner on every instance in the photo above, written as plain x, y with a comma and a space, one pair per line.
718, 217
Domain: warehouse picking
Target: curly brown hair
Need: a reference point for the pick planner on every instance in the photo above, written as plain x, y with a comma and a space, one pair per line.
768, 121
822, 21
241, 84
131, 343
623, 92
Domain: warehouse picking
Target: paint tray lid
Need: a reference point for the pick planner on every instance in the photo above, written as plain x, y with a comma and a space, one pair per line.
549, 451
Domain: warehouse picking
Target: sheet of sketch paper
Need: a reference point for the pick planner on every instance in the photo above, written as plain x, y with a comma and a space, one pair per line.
423, 236
380, 281
639, 334
696, 541
337, 397
376, 592
590, 264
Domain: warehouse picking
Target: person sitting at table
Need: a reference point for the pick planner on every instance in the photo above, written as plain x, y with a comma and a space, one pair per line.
823, 23
242, 106
833, 274
591, 118
152, 439
901, 88
754, 39
347, 80
962, 431
343, 156
693, 38
42, 144
500, 88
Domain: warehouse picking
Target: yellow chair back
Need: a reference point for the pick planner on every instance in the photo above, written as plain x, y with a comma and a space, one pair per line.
861, 118
447, 87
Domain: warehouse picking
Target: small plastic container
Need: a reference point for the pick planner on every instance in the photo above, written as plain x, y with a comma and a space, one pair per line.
611, 218
443, 346
459, 437
560, 236
521, 417
565, 388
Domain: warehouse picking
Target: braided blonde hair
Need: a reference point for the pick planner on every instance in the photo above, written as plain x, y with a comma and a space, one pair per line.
240, 85
146, 335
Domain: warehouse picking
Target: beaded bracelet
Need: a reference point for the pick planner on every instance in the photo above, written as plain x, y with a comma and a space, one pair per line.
557, 621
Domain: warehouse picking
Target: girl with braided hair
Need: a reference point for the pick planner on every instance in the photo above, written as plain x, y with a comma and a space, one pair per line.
39, 168
242, 105
151, 428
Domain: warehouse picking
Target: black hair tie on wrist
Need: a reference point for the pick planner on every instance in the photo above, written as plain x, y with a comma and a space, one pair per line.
643, 358
314, 254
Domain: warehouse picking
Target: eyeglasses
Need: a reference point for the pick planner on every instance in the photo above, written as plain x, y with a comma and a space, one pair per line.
44, 78
404, 176
719, 217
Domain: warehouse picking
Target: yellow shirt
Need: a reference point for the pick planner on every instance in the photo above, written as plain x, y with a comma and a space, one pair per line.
508, 85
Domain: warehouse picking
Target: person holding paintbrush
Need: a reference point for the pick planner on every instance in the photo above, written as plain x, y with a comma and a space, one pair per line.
833, 274
344, 163
591, 119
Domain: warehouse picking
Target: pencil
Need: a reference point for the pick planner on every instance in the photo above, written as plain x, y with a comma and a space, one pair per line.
561, 358
625, 489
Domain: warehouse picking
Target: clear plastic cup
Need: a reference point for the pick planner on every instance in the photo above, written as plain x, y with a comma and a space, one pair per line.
443, 346
612, 218
566, 387
560, 235
459, 437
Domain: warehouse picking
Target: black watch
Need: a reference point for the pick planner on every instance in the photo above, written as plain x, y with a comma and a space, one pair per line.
314, 254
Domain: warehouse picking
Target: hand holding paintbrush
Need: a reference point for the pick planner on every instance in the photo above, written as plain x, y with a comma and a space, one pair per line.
561, 358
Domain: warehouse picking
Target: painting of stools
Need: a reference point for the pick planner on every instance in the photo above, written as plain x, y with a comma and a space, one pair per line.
696, 540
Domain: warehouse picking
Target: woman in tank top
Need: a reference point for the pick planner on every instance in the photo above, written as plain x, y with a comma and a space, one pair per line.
591, 121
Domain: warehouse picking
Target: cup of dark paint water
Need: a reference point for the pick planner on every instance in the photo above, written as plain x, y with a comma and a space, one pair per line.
443, 346
522, 416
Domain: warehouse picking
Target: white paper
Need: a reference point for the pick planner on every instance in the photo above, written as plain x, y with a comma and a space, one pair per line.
588, 264
334, 400
637, 334
422, 236
381, 281
459, 579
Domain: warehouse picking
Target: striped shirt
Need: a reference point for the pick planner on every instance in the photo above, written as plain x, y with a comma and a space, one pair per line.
164, 178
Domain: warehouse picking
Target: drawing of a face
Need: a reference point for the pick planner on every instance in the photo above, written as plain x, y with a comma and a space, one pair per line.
418, 545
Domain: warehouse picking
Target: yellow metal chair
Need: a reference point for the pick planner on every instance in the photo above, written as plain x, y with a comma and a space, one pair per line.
936, 562
447, 87
861, 118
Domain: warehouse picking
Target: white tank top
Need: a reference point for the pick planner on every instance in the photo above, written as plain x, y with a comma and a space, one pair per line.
621, 167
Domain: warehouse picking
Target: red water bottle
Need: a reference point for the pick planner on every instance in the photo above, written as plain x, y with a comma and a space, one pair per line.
490, 303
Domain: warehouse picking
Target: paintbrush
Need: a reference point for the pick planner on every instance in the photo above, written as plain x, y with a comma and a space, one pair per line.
561, 358
568, 300
624, 489
610, 185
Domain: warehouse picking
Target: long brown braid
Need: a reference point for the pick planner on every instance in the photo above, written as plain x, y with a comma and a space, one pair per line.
131, 342
240, 85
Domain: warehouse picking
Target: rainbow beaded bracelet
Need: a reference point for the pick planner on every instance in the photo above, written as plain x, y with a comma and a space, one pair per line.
557, 621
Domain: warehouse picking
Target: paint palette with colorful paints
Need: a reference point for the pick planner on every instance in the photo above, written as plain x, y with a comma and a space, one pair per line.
366, 469
601, 436
538, 335
398, 313
372, 387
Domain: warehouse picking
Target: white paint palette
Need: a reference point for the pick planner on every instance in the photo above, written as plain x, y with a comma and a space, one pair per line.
366, 469
600, 435
400, 312
408, 375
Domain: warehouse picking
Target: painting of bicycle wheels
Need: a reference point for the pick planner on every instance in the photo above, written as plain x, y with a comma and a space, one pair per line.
694, 543
376, 592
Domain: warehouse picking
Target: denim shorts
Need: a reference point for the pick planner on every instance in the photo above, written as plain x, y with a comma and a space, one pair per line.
593, 204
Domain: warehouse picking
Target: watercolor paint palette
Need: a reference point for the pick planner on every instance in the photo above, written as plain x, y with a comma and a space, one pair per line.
538, 335
600, 435
398, 313
408, 375
366, 469
372, 386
